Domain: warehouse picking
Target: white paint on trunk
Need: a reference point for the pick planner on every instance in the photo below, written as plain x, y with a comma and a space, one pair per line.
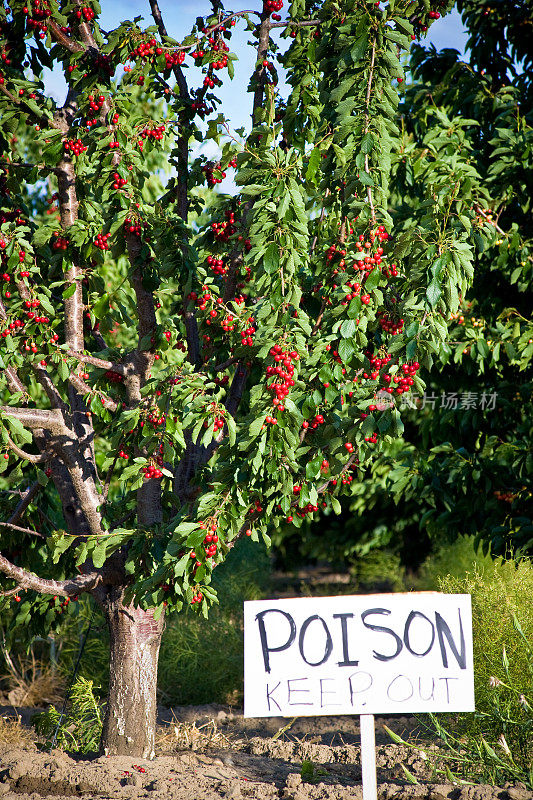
129, 725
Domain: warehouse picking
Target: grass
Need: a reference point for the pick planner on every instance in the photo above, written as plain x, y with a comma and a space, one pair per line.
31, 682
13, 733
191, 736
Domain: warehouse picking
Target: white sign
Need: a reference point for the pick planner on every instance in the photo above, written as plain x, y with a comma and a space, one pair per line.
367, 654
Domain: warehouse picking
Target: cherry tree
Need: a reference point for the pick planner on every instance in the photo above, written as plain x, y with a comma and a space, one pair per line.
183, 367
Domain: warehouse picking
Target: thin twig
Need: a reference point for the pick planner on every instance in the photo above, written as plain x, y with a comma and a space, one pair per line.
21, 530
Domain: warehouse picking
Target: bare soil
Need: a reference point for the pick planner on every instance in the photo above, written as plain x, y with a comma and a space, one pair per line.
212, 752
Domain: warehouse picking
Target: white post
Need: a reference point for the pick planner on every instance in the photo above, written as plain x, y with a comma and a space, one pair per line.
368, 756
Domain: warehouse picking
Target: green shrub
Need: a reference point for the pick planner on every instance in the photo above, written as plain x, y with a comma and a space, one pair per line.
379, 570
500, 595
453, 559
81, 726
495, 743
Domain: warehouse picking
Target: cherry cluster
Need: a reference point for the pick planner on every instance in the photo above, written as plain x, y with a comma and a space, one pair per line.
377, 363
210, 542
228, 324
355, 290
118, 182
132, 226
217, 265
146, 50
112, 377
272, 5
74, 146
101, 241
403, 383
60, 242
152, 472
41, 11
123, 454
505, 497
390, 272
209, 169
156, 418
197, 598
95, 104
317, 420
283, 372
394, 327
201, 300
248, 333
85, 12
174, 59
156, 133
218, 424
223, 230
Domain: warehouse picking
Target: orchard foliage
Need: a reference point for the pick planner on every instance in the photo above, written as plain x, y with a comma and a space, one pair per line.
169, 385
463, 470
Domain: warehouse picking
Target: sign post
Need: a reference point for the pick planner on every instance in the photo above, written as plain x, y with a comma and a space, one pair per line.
368, 756
365, 655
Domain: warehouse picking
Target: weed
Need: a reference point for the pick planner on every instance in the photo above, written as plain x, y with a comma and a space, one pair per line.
81, 726
311, 773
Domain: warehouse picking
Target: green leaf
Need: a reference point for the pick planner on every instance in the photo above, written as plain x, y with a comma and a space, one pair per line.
232, 430
348, 329
373, 279
433, 293
367, 143
346, 350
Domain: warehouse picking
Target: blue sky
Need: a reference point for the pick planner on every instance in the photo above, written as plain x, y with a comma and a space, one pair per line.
180, 15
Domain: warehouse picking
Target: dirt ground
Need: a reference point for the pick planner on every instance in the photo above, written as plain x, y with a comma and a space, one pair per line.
211, 752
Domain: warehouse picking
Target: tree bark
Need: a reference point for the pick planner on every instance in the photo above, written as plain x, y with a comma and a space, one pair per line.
129, 724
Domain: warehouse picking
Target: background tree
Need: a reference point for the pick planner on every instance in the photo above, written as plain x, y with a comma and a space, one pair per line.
464, 464
170, 387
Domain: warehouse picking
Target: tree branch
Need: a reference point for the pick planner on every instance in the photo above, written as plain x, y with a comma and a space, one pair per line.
62, 38
366, 129
31, 457
262, 52
24, 502
101, 363
33, 418
84, 389
65, 588
21, 530
236, 389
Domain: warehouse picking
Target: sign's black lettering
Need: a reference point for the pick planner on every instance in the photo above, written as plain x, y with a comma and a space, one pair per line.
406, 632
431, 695
443, 631
448, 686
262, 633
359, 682
346, 662
381, 629
328, 647
325, 691
400, 689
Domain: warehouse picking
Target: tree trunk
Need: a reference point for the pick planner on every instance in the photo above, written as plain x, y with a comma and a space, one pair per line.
129, 724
